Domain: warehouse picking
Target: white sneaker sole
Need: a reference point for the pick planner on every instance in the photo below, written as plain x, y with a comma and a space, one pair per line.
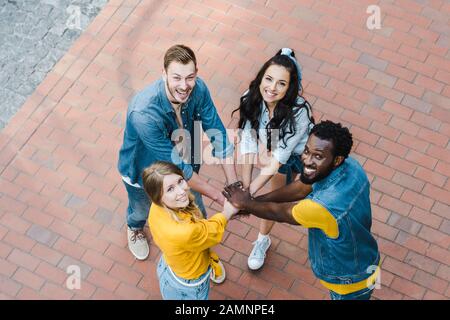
254, 269
222, 278
264, 260
137, 256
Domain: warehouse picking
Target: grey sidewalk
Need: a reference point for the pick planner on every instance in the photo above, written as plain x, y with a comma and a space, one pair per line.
34, 35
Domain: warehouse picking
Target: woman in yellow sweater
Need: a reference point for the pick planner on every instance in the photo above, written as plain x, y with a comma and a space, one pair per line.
184, 237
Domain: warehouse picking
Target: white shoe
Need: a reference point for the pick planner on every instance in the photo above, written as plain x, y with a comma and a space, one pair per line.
137, 243
258, 254
220, 279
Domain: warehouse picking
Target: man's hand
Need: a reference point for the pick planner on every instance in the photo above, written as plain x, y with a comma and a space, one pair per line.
237, 196
237, 184
242, 214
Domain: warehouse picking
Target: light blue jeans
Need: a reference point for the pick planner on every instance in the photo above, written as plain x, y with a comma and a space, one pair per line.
139, 206
171, 289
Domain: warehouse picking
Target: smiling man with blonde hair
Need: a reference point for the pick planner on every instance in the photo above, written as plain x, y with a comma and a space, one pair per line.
160, 126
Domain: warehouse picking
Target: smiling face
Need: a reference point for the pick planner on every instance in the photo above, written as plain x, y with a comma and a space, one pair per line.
318, 160
175, 192
274, 84
180, 81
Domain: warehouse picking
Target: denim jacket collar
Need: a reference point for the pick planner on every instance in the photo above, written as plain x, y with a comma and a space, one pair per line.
335, 174
164, 100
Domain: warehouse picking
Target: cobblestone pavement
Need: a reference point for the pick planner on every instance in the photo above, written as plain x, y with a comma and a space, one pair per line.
34, 35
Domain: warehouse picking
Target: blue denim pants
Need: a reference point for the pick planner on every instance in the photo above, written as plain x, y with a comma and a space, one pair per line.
363, 294
139, 206
293, 165
172, 289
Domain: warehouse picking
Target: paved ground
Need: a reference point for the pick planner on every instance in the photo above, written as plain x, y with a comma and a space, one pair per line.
34, 35
62, 202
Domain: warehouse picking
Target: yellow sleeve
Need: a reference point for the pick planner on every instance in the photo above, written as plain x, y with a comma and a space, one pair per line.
205, 233
311, 214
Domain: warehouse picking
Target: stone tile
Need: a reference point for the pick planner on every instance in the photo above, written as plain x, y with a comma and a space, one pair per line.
42, 235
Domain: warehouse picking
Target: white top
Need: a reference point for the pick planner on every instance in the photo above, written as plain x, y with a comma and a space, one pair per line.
295, 142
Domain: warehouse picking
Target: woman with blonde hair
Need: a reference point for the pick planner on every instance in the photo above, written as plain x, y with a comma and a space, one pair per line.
185, 238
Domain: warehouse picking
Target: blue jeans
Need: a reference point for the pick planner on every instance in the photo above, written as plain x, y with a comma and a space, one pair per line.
363, 294
293, 165
171, 289
139, 206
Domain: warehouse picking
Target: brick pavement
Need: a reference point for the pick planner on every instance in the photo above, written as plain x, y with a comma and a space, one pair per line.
62, 201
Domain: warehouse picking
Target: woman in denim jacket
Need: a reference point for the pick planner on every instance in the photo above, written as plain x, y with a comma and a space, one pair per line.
275, 117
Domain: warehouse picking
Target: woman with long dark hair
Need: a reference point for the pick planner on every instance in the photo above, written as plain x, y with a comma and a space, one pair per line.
273, 117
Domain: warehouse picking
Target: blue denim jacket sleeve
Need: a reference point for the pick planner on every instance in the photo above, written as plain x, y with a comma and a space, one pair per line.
214, 128
157, 142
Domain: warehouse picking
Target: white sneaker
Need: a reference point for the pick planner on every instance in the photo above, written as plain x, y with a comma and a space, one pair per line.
137, 243
258, 254
220, 279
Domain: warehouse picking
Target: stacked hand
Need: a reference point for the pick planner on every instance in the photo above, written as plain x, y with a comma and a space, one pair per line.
236, 184
229, 210
234, 203
237, 196
220, 198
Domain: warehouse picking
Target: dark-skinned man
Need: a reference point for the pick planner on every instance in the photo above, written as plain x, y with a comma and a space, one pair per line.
335, 207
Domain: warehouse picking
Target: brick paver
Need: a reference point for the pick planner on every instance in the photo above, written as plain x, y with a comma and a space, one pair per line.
62, 201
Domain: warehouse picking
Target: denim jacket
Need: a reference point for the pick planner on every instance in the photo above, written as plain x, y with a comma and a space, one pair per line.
150, 125
353, 255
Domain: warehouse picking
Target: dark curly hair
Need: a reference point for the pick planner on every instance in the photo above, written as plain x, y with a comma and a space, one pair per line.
285, 110
341, 136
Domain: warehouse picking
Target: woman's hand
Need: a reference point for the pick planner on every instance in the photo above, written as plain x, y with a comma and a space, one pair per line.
220, 198
229, 210
251, 189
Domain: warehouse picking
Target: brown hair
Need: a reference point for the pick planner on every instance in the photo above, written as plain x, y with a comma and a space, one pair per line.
153, 178
179, 53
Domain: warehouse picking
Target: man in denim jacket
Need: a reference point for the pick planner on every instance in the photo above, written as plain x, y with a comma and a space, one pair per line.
335, 207
163, 123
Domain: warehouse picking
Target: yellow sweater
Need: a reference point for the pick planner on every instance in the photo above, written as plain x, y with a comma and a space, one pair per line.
185, 245
310, 214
